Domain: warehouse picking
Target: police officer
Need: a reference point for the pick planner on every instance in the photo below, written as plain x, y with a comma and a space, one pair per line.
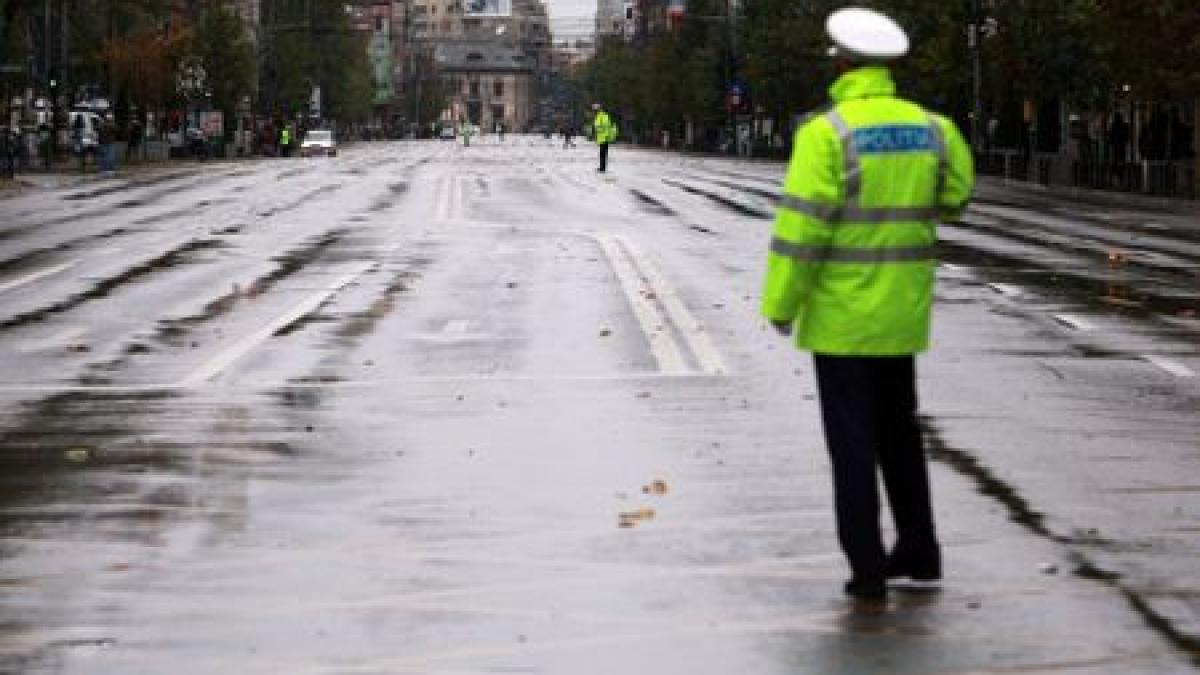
605, 131
850, 273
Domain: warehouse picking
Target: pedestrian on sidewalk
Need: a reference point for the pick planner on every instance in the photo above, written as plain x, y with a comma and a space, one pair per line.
568, 136
107, 138
605, 131
850, 274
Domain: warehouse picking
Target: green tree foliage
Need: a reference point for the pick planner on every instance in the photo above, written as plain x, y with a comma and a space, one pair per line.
783, 49
221, 42
311, 43
677, 77
1154, 45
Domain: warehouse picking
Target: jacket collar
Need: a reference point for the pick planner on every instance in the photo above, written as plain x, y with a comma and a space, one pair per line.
863, 82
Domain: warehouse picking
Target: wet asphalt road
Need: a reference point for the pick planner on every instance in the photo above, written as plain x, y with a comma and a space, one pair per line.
426, 408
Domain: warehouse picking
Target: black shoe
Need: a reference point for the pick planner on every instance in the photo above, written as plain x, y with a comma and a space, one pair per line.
864, 589
928, 568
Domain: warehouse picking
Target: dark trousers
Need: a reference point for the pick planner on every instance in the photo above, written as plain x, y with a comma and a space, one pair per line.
869, 408
603, 156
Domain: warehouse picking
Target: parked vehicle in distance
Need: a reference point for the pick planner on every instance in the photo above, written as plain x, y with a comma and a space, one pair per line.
447, 133
318, 143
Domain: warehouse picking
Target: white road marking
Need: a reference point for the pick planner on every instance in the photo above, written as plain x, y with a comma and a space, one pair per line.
244, 346
953, 268
652, 322
443, 209
35, 276
456, 327
1078, 323
450, 197
1173, 367
1008, 290
692, 330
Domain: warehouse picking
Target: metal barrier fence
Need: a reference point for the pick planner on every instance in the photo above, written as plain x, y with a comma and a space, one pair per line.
1170, 179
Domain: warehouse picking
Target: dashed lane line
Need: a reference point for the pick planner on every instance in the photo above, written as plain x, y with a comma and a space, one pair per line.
1007, 290
36, 276
223, 360
1076, 322
1171, 366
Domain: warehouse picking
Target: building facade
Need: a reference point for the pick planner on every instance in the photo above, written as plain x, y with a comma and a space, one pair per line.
486, 84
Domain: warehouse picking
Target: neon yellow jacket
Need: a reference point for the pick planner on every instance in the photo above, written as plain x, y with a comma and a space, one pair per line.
851, 263
604, 127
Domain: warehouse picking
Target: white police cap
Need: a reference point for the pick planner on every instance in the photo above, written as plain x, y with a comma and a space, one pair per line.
865, 35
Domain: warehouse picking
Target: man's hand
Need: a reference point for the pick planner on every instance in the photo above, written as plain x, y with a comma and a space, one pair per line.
784, 328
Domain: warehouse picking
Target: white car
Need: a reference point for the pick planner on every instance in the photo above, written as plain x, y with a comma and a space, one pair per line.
318, 142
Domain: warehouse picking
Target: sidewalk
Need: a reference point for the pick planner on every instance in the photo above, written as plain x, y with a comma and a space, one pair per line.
991, 185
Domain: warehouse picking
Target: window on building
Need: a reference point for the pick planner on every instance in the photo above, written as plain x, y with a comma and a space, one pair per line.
498, 88
475, 89
379, 24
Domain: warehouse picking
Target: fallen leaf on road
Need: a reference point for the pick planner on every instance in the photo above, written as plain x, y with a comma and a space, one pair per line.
658, 487
632, 518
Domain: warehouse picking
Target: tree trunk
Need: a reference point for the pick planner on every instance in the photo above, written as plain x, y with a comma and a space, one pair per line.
1196, 148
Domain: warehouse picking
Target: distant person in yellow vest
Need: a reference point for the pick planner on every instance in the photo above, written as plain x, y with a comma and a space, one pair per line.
850, 276
285, 141
605, 133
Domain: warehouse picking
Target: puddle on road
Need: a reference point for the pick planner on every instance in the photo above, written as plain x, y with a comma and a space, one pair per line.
179, 213
178, 256
124, 187
731, 204
1114, 290
651, 204
172, 332
395, 191
1021, 512
300, 201
28, 259
363, 323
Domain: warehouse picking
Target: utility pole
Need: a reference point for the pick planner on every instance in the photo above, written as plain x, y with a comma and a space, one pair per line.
730, 74
975, 42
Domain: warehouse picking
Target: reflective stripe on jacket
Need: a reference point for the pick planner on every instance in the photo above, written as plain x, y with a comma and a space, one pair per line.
851, 263
606, 130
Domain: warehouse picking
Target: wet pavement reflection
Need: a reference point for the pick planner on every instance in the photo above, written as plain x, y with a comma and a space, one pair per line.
422, 409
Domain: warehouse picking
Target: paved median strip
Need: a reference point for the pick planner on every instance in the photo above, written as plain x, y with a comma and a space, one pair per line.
216, 365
